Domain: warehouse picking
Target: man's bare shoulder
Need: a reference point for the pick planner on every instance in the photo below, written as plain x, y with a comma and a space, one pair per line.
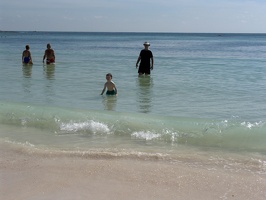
49, 50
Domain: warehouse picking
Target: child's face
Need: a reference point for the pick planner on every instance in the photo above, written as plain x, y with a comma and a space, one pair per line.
108, 77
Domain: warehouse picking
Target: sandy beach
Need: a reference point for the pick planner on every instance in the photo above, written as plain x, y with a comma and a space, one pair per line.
30, 175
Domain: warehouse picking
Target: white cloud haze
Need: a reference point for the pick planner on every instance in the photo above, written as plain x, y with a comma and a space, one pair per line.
233, 16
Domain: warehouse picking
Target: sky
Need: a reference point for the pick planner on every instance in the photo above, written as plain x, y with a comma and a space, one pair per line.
187, 16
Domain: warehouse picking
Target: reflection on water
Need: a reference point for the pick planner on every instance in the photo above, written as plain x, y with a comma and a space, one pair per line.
26, 83
27, 71
144, 93
109, 102
49, 71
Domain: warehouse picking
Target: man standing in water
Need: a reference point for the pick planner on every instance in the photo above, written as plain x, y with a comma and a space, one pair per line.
49, 55
146, 60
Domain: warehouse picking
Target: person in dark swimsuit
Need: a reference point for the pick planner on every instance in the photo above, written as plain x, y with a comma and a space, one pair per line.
26, 56
146, 60
49, 55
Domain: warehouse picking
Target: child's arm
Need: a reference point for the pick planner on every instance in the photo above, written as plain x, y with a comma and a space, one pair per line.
115, 89
103, 89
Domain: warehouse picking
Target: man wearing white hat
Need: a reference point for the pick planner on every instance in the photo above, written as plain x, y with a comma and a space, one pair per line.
146, 60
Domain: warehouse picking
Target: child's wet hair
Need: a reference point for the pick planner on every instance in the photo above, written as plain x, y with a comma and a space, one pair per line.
109, 74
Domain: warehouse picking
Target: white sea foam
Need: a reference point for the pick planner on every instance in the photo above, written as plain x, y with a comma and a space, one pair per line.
93, 126
252, 125
148, 135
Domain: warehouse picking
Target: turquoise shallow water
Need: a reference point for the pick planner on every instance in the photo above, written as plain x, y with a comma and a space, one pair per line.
195, 75
207, 92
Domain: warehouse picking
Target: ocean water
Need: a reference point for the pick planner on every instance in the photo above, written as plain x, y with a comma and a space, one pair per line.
204, 98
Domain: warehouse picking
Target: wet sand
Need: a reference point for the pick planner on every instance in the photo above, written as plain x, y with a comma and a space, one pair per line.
33, 176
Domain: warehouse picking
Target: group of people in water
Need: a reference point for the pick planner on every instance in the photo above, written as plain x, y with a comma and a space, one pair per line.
145, 59
49, 55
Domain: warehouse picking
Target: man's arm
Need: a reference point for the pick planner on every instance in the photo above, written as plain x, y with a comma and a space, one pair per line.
44, 56
152, 62
138, 61
53, 54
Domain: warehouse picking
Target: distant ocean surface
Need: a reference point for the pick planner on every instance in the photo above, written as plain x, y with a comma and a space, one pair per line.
207, 93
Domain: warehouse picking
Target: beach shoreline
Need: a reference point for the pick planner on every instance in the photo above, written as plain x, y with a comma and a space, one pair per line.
30, 175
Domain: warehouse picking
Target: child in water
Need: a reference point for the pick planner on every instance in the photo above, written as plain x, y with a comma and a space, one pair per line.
110, 85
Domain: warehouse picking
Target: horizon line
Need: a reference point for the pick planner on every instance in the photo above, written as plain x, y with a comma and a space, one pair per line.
136, 32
